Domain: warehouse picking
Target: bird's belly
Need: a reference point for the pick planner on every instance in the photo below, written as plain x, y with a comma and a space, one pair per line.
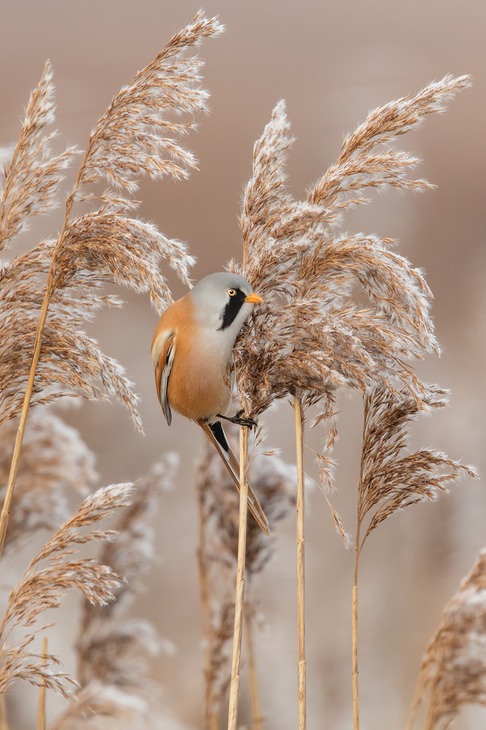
199, 390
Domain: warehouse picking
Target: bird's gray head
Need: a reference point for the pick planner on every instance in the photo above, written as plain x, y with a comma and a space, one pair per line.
223, 301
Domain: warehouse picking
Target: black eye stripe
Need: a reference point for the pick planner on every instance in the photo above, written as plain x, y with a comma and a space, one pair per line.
232, 308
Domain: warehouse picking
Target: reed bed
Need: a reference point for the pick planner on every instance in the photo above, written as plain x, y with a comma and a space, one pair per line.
342, 312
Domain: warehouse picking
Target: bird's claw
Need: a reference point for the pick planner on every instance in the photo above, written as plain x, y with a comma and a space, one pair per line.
239, 421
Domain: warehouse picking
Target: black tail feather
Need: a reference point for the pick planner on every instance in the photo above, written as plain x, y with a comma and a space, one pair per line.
219, 435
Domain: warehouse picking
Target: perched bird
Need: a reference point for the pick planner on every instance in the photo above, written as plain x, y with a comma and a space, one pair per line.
192, 352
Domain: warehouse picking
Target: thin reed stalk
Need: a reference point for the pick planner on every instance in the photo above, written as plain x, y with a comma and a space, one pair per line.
256, 707
133, 114
3, 713
14, 466
19, 438
210, 714
300, 542
41, 708
240, 583
355, 632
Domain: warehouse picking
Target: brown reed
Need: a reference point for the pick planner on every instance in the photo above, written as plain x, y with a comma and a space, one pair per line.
51, 573
453, 670
135, 136
273, 482
300, 544
56, 464
46, 297
240, 582
113, 650
310, 338
393, 477
313, 335
41, 707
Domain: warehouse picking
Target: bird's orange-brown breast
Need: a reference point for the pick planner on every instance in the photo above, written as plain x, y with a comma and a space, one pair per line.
197, 386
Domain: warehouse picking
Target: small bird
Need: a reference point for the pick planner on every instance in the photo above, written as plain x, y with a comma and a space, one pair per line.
192, 353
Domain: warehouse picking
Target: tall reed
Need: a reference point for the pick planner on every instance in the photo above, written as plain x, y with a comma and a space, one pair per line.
453, 670
240, 582
46, 297
312, 335
274, 482
311, 338
129, 140
300, 543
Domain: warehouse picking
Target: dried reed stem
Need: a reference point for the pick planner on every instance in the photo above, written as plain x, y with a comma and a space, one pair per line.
14, 465
355, 634
3, 713
300, 540
256, 708
41, 708
240, 583
210, 715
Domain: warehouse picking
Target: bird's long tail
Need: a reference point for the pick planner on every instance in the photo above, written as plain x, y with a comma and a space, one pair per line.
217, 437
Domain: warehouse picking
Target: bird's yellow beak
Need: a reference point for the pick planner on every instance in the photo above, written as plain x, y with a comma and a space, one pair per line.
253, 298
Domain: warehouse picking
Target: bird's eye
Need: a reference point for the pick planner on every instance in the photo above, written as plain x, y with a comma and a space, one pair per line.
231, 292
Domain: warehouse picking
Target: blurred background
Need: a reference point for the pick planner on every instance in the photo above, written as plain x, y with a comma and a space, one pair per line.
332, 62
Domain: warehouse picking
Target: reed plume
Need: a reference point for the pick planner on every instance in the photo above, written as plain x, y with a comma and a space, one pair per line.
52, 572
56, 464
46, 297
32, 173
312, 335
393, 477
453, 670
114, 650
341, 309
138, 134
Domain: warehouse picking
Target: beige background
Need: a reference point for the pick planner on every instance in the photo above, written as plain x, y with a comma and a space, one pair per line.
332, 61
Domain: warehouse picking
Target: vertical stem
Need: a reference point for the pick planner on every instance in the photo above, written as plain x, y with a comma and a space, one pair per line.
240, 583
41, 709
9, 493
256, 710
3, 713
355, 630
14, 465
300, 541
210, 715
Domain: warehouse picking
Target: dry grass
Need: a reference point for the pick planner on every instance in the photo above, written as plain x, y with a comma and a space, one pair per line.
342, 311
56, 465
273, 480
453, 671
54, 571
46, 297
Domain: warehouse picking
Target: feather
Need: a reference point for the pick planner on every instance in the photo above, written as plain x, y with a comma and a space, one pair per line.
163, 352
215, 434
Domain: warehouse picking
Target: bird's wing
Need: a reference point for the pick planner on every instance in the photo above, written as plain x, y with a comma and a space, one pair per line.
163, 353
216, 435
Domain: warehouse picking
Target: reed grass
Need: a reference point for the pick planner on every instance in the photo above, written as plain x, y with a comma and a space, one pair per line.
41, 707
95, 243
312, 338
274, 482
300, 544
255, 700
240, 582
453, 669
3, 713
46, 297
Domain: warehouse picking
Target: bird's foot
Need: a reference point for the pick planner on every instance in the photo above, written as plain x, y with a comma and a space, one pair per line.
249, 422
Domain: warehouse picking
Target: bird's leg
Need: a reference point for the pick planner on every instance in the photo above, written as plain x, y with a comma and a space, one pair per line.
249, 422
